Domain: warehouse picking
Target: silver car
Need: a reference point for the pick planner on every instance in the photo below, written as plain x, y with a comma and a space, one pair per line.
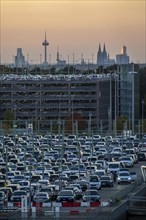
124, 177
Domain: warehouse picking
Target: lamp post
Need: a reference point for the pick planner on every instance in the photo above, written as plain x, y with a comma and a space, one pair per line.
110, 106
142, 103
59, 121
14, 122
30, 192
109, 120
89, 124
115, 105
129, 119
72, 116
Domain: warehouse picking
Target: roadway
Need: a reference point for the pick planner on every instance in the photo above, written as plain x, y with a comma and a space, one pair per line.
117, 190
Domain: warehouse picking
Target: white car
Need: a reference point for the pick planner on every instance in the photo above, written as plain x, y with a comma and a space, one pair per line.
95, 182
133, 176
114, 166
127, 161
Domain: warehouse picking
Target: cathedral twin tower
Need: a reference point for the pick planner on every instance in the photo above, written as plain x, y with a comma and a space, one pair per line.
102, 56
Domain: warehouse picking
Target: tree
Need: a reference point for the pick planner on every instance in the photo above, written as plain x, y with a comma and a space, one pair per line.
8, 120
121, 122
71, 120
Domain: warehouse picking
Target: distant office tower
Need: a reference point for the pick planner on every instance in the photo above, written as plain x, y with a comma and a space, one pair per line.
45, 44
103, 58
19, 58
122, 58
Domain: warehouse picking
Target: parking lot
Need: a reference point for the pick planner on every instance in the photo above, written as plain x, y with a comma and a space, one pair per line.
56, 171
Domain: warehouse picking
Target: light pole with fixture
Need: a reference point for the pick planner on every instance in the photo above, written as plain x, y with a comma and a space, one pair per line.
142, 103
89, 124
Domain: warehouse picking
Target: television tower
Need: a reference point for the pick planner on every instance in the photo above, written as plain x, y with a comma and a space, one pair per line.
45, 44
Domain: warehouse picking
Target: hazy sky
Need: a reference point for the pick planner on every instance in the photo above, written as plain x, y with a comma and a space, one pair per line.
77, 27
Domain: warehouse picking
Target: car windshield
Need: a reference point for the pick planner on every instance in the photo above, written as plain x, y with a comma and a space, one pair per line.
105, 178
40, 196
124, 174
19, 193
126, 158
66, 193
113, 165
89, 192
94, 179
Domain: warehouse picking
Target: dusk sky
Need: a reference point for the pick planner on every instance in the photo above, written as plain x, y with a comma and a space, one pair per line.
77, 27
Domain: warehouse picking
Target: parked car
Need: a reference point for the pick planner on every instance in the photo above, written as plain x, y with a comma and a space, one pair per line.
133, 175
127, 161
48, 190
14, 186
106, 180
8, 192
66, 195
41, 197
76, 190
18, 178
3, 198
84, 184
95, 181
91, 195
16, 195
141, 156
114, 167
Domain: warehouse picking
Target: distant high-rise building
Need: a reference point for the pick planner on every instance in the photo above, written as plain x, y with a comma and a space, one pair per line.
122, 58
103, 58
19, 58
45, 44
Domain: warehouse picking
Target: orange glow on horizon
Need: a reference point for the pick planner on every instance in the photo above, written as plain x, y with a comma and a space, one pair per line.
77, 26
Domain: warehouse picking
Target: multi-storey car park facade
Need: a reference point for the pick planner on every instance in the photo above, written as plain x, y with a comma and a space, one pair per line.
49, 98
52, 99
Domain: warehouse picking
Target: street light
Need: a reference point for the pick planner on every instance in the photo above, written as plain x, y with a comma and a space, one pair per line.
142, 103
109, 120
72, 116
14, 122
89, 124
129, 118
115, 105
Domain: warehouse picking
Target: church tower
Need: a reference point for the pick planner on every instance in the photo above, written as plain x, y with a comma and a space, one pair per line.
99, 56
104, 54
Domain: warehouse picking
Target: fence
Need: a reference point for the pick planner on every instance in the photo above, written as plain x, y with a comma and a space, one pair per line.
66, 127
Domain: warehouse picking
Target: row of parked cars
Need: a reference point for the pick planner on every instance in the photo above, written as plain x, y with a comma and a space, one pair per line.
56, 168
